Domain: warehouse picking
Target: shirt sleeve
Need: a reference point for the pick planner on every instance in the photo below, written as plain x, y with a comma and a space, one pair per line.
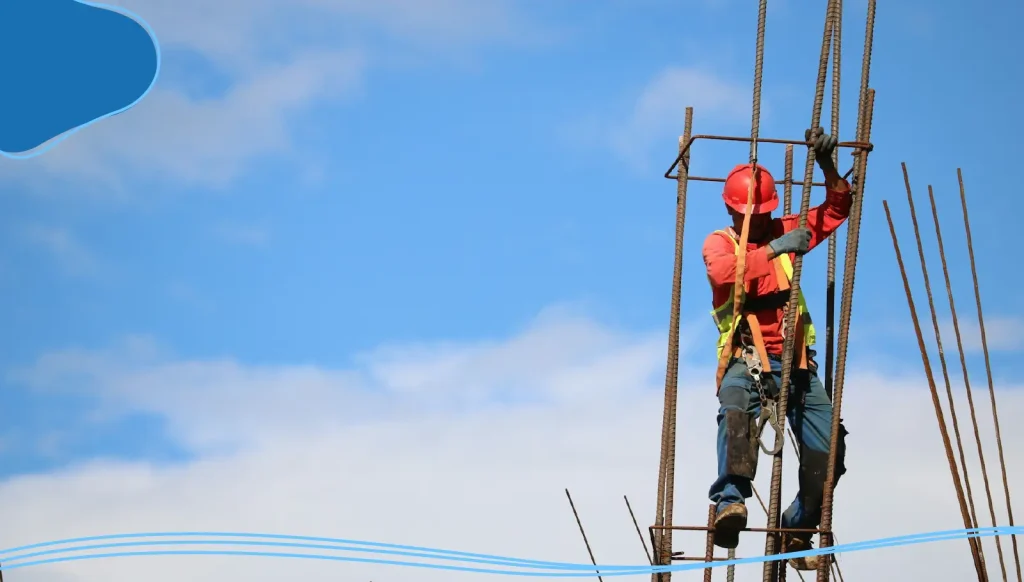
720, 260
824, 219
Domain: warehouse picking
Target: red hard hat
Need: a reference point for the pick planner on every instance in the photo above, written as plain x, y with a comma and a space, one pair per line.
766, 198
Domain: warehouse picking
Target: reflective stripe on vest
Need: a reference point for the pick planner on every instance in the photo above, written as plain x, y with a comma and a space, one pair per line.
722, 315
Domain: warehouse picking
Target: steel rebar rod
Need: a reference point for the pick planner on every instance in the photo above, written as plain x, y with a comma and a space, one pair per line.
967, 507
771, 569
584, 534
865, 111
967, 379
632, 516
787, 188
666, 473
988, 370
928, 374
830, 282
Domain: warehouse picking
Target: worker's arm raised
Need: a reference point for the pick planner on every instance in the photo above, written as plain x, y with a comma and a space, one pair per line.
824, 219
720, 260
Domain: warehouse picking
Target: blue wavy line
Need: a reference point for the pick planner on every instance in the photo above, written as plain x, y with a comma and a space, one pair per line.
587, 570
45, 147
278, 537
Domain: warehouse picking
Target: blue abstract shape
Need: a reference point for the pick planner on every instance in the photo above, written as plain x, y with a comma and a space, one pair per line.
67, 64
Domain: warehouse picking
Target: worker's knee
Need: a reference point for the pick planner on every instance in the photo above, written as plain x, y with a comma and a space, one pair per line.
733, 396
841, 452
814, 470
740, 443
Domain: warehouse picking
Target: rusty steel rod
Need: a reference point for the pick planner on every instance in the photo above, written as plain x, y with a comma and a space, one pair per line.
845, 313
967, 378
666, 473
865, 111
931, 381
787, 189
584, 534
830, 278
988, 370
857, 146
770, 572
741, 250
967, 507
709, 544
722, 181
632, 516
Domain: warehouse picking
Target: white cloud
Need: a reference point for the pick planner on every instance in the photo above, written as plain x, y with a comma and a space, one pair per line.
660, 109
1002, 333
71, 255
280, 58
462, 447
170, 136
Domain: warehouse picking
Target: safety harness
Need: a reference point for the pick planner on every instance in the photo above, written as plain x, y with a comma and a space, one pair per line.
746, 332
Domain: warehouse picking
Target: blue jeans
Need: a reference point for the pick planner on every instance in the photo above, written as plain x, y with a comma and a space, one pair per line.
810, 415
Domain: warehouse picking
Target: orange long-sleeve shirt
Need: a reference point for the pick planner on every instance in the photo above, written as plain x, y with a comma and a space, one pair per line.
720, 260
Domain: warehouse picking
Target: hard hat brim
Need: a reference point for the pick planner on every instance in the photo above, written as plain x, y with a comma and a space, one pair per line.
762, 208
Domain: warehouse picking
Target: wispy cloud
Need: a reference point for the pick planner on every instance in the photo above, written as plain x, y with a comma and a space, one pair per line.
433, 436
655, 119
278, 60
1002, 333
70, 254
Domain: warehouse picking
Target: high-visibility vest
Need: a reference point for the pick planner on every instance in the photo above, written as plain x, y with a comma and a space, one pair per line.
722, 314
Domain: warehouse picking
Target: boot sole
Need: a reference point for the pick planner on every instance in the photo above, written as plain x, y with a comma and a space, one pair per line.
727, 531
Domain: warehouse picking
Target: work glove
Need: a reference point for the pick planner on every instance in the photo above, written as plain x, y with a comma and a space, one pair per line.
796, 241
823, 145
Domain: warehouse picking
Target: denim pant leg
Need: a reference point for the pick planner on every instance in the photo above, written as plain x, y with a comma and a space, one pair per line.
736, 394
810, 414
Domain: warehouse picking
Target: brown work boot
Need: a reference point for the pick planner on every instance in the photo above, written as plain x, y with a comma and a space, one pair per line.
729, 522
803, 563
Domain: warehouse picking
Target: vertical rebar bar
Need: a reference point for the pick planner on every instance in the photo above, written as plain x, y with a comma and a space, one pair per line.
771, 568
787, 188
966, 506
988, 370
666, 472
927, 369
709, 544
865, 110
830, 283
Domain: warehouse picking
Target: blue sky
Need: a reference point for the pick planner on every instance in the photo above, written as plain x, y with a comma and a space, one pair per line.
306, 186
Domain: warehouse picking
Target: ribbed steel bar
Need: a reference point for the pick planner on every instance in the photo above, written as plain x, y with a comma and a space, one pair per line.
966, 507
830, 283
928, 372
650, 559
770, 572
709, 544
988, 370
584, 534
865, 110
967, 385
787, 188
666, 472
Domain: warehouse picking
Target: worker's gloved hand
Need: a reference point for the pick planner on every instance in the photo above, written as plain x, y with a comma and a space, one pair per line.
796, 241
823, 145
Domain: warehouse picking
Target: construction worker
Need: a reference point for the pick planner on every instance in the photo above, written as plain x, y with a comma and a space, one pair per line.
756, 338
